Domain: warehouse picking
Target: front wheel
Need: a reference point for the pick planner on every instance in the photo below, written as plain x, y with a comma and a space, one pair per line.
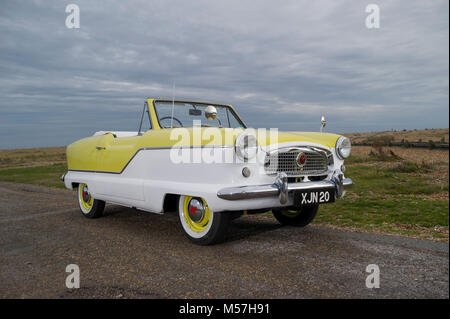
296, 217
201, 225
90, 207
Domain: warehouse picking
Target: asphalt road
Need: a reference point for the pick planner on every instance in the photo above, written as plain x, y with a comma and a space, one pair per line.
131, 254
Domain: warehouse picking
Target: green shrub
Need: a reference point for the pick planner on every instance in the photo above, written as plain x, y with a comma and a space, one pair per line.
431, 145
381, 140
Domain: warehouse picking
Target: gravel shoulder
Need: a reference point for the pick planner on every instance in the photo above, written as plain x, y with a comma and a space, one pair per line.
132, 254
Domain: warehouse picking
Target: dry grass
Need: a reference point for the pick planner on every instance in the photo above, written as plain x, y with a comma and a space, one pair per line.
435, 135
414, 155
425, 163
398, 190
32, 157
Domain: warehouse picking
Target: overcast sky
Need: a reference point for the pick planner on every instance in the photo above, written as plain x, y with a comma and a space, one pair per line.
280, 63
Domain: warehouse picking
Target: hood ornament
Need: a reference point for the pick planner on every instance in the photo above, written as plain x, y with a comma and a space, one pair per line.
323, 122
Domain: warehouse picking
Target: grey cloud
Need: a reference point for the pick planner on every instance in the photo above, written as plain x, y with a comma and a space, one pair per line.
283, 64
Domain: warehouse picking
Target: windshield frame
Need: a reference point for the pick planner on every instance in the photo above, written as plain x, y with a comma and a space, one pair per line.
228, 107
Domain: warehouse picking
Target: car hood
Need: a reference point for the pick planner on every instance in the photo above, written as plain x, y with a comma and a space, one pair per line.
325, 139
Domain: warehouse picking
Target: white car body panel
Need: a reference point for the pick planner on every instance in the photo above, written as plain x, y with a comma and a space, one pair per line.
151, 175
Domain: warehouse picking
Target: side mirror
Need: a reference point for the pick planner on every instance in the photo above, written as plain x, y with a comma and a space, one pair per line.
210, 112
323, 122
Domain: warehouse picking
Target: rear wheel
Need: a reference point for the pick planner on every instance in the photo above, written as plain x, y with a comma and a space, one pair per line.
296, 217
201, 225
90, 207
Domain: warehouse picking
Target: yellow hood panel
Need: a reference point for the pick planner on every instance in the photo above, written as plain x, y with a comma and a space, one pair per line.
325, 139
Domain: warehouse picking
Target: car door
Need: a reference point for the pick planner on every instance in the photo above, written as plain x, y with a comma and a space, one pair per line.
116, 155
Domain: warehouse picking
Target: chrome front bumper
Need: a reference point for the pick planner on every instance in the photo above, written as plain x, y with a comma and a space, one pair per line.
281, 188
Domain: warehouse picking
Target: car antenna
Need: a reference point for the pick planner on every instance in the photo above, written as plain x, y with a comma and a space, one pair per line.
173, 103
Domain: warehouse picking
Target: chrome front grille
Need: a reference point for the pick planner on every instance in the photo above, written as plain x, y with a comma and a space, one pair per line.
286, 161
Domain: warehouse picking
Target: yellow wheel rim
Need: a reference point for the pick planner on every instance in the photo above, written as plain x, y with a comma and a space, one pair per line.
202, 224
87, 203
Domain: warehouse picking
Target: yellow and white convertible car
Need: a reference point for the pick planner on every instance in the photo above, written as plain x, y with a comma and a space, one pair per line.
200, 160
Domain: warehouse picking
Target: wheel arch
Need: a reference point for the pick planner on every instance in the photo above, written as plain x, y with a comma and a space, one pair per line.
170, 203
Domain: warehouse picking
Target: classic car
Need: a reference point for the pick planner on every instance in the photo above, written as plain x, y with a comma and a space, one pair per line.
200, 160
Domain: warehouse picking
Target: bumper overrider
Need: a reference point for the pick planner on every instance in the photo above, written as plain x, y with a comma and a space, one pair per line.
281, 188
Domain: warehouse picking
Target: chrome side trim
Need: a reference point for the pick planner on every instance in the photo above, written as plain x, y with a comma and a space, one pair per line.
179, 147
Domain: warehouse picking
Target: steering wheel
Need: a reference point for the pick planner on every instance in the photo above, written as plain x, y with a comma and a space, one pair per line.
170, 117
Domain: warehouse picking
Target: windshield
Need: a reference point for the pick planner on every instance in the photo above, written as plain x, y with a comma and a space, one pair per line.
185, 113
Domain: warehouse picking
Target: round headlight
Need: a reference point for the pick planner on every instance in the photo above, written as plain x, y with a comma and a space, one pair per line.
246, 146
343, 147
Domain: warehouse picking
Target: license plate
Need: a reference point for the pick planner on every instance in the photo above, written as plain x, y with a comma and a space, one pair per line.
313, 197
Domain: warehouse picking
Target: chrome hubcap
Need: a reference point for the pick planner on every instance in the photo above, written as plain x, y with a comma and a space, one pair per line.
196, 210
86, 195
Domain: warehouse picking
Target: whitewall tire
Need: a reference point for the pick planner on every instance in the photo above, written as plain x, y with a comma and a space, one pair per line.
199, 223
89, 206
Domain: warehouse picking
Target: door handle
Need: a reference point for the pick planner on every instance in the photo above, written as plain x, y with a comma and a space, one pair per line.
100, 148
